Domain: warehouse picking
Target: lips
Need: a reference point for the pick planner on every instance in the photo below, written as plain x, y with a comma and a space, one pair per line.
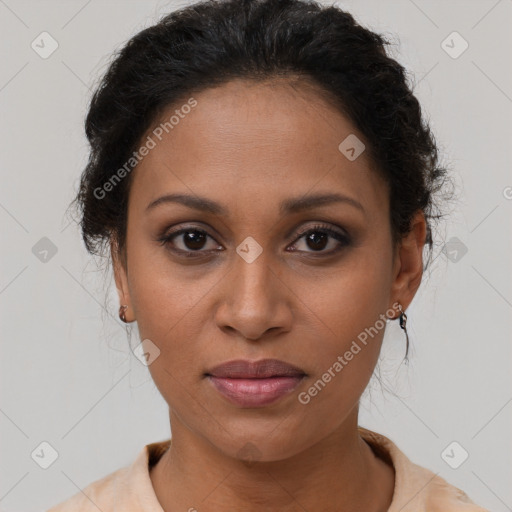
255, 384
242, 369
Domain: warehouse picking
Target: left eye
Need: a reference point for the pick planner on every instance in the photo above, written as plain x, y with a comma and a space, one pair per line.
317, 239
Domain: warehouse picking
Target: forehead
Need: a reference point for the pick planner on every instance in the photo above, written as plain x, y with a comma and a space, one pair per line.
247, 143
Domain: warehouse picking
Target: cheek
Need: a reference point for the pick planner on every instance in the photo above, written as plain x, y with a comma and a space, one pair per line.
163, 293
344, 359
350, 309
356, 301
167, 306
353, 295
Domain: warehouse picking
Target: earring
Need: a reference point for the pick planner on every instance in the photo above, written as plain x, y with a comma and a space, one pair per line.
122, 311
403, 325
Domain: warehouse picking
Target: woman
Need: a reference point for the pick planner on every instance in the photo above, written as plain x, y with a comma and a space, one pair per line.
265, 182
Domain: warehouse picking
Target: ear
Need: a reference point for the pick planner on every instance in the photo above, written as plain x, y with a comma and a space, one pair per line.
408, 266
120, 277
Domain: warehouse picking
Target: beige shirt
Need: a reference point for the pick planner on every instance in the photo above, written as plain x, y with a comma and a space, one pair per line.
129, 489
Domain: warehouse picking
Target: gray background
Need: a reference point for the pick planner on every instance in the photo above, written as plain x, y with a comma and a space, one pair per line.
67, 373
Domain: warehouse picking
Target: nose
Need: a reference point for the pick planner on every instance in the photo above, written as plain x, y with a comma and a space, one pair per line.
254, 301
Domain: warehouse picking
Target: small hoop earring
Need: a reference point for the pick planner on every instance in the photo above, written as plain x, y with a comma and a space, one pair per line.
122, 311
403, 325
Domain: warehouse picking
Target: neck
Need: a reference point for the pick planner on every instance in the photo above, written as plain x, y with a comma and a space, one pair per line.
341, 472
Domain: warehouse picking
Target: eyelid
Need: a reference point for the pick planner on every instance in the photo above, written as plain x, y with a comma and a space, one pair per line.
321, 227
180, 230
184, 226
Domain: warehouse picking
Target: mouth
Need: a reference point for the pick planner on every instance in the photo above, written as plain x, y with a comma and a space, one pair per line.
255, 384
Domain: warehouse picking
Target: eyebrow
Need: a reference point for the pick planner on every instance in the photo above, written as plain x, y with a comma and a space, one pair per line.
293, 205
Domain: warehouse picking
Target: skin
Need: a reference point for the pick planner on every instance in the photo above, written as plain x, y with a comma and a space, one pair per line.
249, 146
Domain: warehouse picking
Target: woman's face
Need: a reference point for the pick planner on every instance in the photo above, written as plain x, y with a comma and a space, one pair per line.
264, 154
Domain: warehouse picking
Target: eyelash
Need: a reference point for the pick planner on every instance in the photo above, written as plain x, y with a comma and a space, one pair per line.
167, 238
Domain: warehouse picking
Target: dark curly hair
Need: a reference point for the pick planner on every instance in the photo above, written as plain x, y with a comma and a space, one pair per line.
211, 42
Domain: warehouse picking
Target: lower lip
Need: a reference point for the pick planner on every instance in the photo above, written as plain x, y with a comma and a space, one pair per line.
255, 392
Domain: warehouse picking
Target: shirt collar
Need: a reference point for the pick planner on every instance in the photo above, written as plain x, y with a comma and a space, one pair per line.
416, 488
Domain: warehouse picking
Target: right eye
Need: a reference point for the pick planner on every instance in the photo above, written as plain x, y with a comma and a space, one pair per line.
192, 240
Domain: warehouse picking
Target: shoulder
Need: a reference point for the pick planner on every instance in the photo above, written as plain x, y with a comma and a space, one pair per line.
442, 496
98, 495
127, 489
417, 489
